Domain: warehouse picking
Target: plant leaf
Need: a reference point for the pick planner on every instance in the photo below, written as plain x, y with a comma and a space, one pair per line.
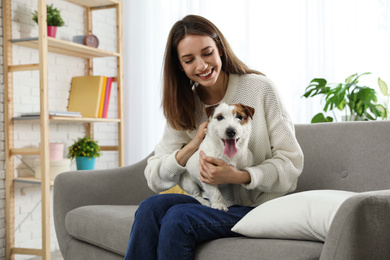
320, 118
383, 87
317, 86
358, 76
349, 79
382, 110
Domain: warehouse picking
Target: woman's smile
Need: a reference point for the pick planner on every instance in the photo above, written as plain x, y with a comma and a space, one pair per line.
207, 74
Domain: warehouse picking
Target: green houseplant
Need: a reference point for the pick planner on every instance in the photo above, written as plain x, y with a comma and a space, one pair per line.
358, 102
84, 150
54, 19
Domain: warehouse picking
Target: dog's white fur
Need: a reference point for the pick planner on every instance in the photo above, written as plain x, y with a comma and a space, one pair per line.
225, 122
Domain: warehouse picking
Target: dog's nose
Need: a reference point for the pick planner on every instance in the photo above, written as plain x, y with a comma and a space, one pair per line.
231, 132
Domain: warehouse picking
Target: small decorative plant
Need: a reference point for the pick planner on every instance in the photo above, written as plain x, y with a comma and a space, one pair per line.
53, 16
84, 147
359, 102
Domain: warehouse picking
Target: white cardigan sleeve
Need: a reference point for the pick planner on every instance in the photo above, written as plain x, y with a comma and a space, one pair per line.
163, 171
280, 171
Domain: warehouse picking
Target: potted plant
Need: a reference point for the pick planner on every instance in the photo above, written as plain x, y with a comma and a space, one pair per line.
358, 102
54, 20
85, 150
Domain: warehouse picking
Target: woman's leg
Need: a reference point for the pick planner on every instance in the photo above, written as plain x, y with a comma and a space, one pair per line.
184, 226
144, 235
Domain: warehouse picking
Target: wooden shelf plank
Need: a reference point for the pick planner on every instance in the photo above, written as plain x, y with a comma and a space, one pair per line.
23, 67
25, 151
31, 180
26, 251
109, 148
71, 119
93, 3
66, 48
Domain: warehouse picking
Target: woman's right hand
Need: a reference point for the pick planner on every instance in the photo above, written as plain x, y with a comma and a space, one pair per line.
200, 134
187, 151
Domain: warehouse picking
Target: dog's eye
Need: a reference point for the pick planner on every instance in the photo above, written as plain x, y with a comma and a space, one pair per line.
219, 118
240, 117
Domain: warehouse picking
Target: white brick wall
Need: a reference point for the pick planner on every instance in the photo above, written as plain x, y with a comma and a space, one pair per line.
26, 99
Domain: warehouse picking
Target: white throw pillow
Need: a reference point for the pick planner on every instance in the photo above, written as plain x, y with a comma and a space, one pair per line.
304, 215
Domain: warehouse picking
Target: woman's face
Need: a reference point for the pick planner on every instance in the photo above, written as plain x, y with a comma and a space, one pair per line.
200, 59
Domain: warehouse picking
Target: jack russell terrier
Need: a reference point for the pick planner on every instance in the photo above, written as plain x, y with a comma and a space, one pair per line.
227, 139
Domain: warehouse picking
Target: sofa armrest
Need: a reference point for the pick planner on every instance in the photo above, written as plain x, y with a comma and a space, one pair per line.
120, 186
360, 228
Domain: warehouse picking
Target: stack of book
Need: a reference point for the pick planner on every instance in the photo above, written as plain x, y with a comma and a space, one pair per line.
37, 115
90, 95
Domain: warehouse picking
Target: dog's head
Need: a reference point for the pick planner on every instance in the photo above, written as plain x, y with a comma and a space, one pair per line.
230, 124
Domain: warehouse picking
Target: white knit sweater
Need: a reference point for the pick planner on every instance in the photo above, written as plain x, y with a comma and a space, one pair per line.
278, 158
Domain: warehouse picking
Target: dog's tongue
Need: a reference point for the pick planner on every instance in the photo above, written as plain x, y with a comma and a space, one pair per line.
230, 147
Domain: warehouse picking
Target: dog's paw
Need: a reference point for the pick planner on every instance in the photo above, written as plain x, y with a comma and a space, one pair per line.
203, 201
219, 206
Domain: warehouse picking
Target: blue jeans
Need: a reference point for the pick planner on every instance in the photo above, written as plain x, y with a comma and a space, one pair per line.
169, 226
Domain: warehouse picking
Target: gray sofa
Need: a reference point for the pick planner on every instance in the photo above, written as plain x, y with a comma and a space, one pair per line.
93, 210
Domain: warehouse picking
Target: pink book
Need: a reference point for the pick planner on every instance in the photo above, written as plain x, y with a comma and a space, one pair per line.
107, 96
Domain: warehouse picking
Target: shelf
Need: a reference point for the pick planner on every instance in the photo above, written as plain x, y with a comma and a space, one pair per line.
37, 151
66, 48
31, 180
93, 3
70, 119
84, 119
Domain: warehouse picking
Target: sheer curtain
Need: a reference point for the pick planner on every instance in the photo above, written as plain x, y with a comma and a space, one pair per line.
291, 42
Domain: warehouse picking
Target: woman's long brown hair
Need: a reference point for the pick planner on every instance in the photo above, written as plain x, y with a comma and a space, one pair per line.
178, 97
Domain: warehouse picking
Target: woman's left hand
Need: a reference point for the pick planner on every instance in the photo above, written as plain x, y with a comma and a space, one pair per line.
215, 171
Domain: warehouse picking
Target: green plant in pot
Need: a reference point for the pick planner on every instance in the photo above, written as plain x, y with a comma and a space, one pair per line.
358, 102
54, 19
85, 150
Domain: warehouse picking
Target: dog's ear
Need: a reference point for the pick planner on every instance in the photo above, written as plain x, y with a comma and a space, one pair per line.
249, 111
210, 110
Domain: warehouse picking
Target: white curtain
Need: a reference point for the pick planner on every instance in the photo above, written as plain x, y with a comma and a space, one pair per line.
291, 41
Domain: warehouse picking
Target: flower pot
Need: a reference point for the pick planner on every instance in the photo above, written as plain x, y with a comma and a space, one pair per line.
85, 163
51, 31
56, 167
56, 151
352, 118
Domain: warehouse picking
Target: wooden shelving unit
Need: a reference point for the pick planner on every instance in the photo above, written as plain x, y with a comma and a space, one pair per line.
46, 45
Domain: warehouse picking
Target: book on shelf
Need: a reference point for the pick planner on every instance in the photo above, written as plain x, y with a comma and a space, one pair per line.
91, 91
85, 95
53, 113
107, 97
102, 97
37, 115
25, 39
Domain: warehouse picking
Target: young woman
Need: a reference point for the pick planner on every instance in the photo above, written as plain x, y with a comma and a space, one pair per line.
200, 69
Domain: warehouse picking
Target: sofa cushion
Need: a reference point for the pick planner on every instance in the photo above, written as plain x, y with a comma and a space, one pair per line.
105, 226
303, 215
238, 248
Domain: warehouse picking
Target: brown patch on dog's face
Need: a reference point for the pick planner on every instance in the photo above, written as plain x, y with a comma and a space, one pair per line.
243, 111
218, 116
